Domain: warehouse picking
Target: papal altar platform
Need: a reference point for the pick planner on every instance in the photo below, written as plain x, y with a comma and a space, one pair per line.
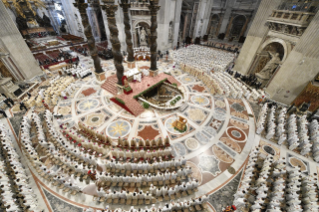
130, 103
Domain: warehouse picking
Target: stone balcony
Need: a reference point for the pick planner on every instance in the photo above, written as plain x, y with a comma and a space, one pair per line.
292, 23
139, 5
293, 18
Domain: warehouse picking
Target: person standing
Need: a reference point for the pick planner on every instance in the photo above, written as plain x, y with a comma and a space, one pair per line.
22, 106
3, 113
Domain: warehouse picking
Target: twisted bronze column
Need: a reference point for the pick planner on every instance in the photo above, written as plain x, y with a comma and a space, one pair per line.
110, 10
81, 5
125, 6
153, 7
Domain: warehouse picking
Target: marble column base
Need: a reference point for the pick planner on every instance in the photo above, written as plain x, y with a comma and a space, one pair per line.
131, 65
153, 73
100, 76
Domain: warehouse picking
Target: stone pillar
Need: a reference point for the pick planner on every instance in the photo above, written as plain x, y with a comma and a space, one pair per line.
243, 30
256, 36
81, 5
177, 20
187, 19
52, 16
110, 10
134, 38
92, 10
14, 72
153, 7
125, 6
107, 31
230, 24
70, 18
221, 16
252, 17
225, 20
300, 67
19, 55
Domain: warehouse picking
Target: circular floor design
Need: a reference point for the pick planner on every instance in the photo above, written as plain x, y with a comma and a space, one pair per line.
200, 144
236, 134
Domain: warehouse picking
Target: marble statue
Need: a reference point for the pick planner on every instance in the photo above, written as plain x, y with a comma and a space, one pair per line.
265, 74
143, 37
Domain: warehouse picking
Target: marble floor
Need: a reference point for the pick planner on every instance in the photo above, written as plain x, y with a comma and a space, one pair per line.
220, 134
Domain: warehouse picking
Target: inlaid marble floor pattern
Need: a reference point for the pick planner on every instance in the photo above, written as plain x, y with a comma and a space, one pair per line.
220, 133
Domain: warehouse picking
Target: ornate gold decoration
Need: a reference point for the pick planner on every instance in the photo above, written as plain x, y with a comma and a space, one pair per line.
309, 94
19, 9
5, 72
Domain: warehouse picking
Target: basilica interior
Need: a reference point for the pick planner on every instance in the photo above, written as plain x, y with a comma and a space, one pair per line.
159, 105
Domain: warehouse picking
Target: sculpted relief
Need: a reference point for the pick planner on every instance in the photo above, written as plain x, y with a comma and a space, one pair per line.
268, 61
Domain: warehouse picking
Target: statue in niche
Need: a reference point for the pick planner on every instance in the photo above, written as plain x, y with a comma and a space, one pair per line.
170, 32
300, 31
286, 30
46, 21
143, 37
265, 74
294, 30
22, 23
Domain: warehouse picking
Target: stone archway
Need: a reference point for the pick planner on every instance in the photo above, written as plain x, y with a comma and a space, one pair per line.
212, 30
137, 25
237, 26
268, 62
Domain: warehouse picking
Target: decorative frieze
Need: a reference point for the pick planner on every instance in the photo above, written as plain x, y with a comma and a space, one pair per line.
287, 29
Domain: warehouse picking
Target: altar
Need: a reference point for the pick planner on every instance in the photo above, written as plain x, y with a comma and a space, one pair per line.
131, 73
58, 66
53, 42
8, 88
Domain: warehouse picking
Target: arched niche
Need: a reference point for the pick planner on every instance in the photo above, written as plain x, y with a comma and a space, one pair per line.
237, 26
271, 54
137, 31
212, 30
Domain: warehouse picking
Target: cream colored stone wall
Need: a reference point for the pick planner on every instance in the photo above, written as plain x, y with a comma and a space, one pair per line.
13, 43
256, 35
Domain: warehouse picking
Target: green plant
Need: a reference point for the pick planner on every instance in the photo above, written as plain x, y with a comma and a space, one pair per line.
146, 105
175, 84
150, 88
120, 101
181, 131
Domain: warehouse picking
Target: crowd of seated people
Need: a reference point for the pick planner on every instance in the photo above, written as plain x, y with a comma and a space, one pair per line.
81, 50
38, 34
43, 59
250, 80
234, 48
15, 191
56, 55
